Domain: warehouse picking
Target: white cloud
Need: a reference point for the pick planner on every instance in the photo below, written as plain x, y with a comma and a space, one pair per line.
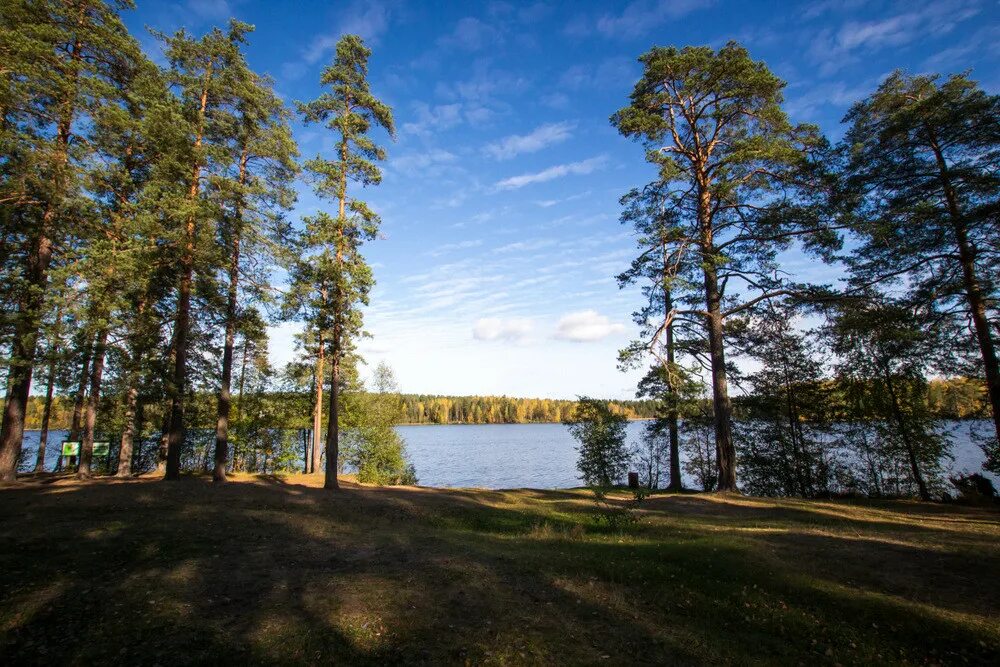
614, 71
586, 326
546, 203
536, 140
526, 246
514, 329
420, 162
573, 168
431, 119
470, 34
834, 49
210, 9
368, 19
449, 247
637, 18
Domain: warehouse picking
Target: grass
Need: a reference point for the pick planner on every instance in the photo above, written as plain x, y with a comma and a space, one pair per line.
277, 570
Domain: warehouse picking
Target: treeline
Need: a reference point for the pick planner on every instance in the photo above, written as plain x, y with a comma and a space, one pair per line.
956, 398
429, 409
416, 409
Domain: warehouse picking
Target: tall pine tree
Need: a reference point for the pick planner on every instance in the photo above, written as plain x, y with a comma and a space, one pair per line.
335, 278
734, 173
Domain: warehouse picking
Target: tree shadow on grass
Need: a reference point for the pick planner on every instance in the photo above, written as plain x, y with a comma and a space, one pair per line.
198, 573
277, 570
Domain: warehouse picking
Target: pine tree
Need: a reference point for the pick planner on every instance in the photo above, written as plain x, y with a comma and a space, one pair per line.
735, 174
254, 228
788, 411
924, 166
662, 268
207, 75
884, 347
335, 276
62, 51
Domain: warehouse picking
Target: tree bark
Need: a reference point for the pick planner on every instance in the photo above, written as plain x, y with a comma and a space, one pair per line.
29, 313
317, 452
725, 451
672, 417
79, 399
43, 436
904, 433
93, 403
182, 325
970, 281
128, 432
332, 430
225, 390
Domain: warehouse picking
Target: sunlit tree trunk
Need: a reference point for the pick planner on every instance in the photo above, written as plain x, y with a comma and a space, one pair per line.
317, 452
43, 436
93, 403
182, 325
225, 393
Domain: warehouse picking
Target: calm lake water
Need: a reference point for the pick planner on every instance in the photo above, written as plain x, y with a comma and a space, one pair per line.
499, 456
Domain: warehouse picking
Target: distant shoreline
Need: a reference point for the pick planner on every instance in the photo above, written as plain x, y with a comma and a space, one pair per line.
631, 419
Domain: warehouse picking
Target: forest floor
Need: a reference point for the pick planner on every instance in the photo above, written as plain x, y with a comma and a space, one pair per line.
277, 570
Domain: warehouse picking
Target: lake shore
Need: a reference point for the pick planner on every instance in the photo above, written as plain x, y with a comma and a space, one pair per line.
275, 569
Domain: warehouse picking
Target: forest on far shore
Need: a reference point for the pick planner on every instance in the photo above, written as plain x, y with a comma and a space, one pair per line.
955, 398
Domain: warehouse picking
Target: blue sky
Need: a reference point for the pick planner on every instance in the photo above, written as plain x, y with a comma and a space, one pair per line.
500, 198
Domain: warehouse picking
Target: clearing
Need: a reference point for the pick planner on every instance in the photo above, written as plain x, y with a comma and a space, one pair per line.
275, 569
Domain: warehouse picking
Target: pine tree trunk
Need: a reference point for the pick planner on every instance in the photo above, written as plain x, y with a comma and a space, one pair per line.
904, 434
225, 390
672, 417
182, 325
43, 436
93, 403
128, 431
28, 318
317, 452
161, 451
237, 461
80, 398
333, 430
725, 451
973, 289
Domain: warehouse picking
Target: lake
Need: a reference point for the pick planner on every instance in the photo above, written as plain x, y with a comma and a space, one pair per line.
498, 456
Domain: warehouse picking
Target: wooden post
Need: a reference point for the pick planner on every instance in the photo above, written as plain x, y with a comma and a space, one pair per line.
633, 480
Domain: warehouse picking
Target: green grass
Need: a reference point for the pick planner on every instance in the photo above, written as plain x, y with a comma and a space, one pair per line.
277, 570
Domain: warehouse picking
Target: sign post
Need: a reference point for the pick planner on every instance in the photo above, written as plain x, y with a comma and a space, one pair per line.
103, 450
70, 450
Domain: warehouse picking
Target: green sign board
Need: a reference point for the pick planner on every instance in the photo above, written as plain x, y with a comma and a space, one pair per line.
71, 448
102, 448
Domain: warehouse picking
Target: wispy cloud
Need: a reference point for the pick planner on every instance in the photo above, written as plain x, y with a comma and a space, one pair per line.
471, 34
369, 19
430, 119
834, 49
586, 326
547, 203
637, 18
616, 70
536, 140
514, 329
450, 247
558, 171
422, 162
215, 10
526, 246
